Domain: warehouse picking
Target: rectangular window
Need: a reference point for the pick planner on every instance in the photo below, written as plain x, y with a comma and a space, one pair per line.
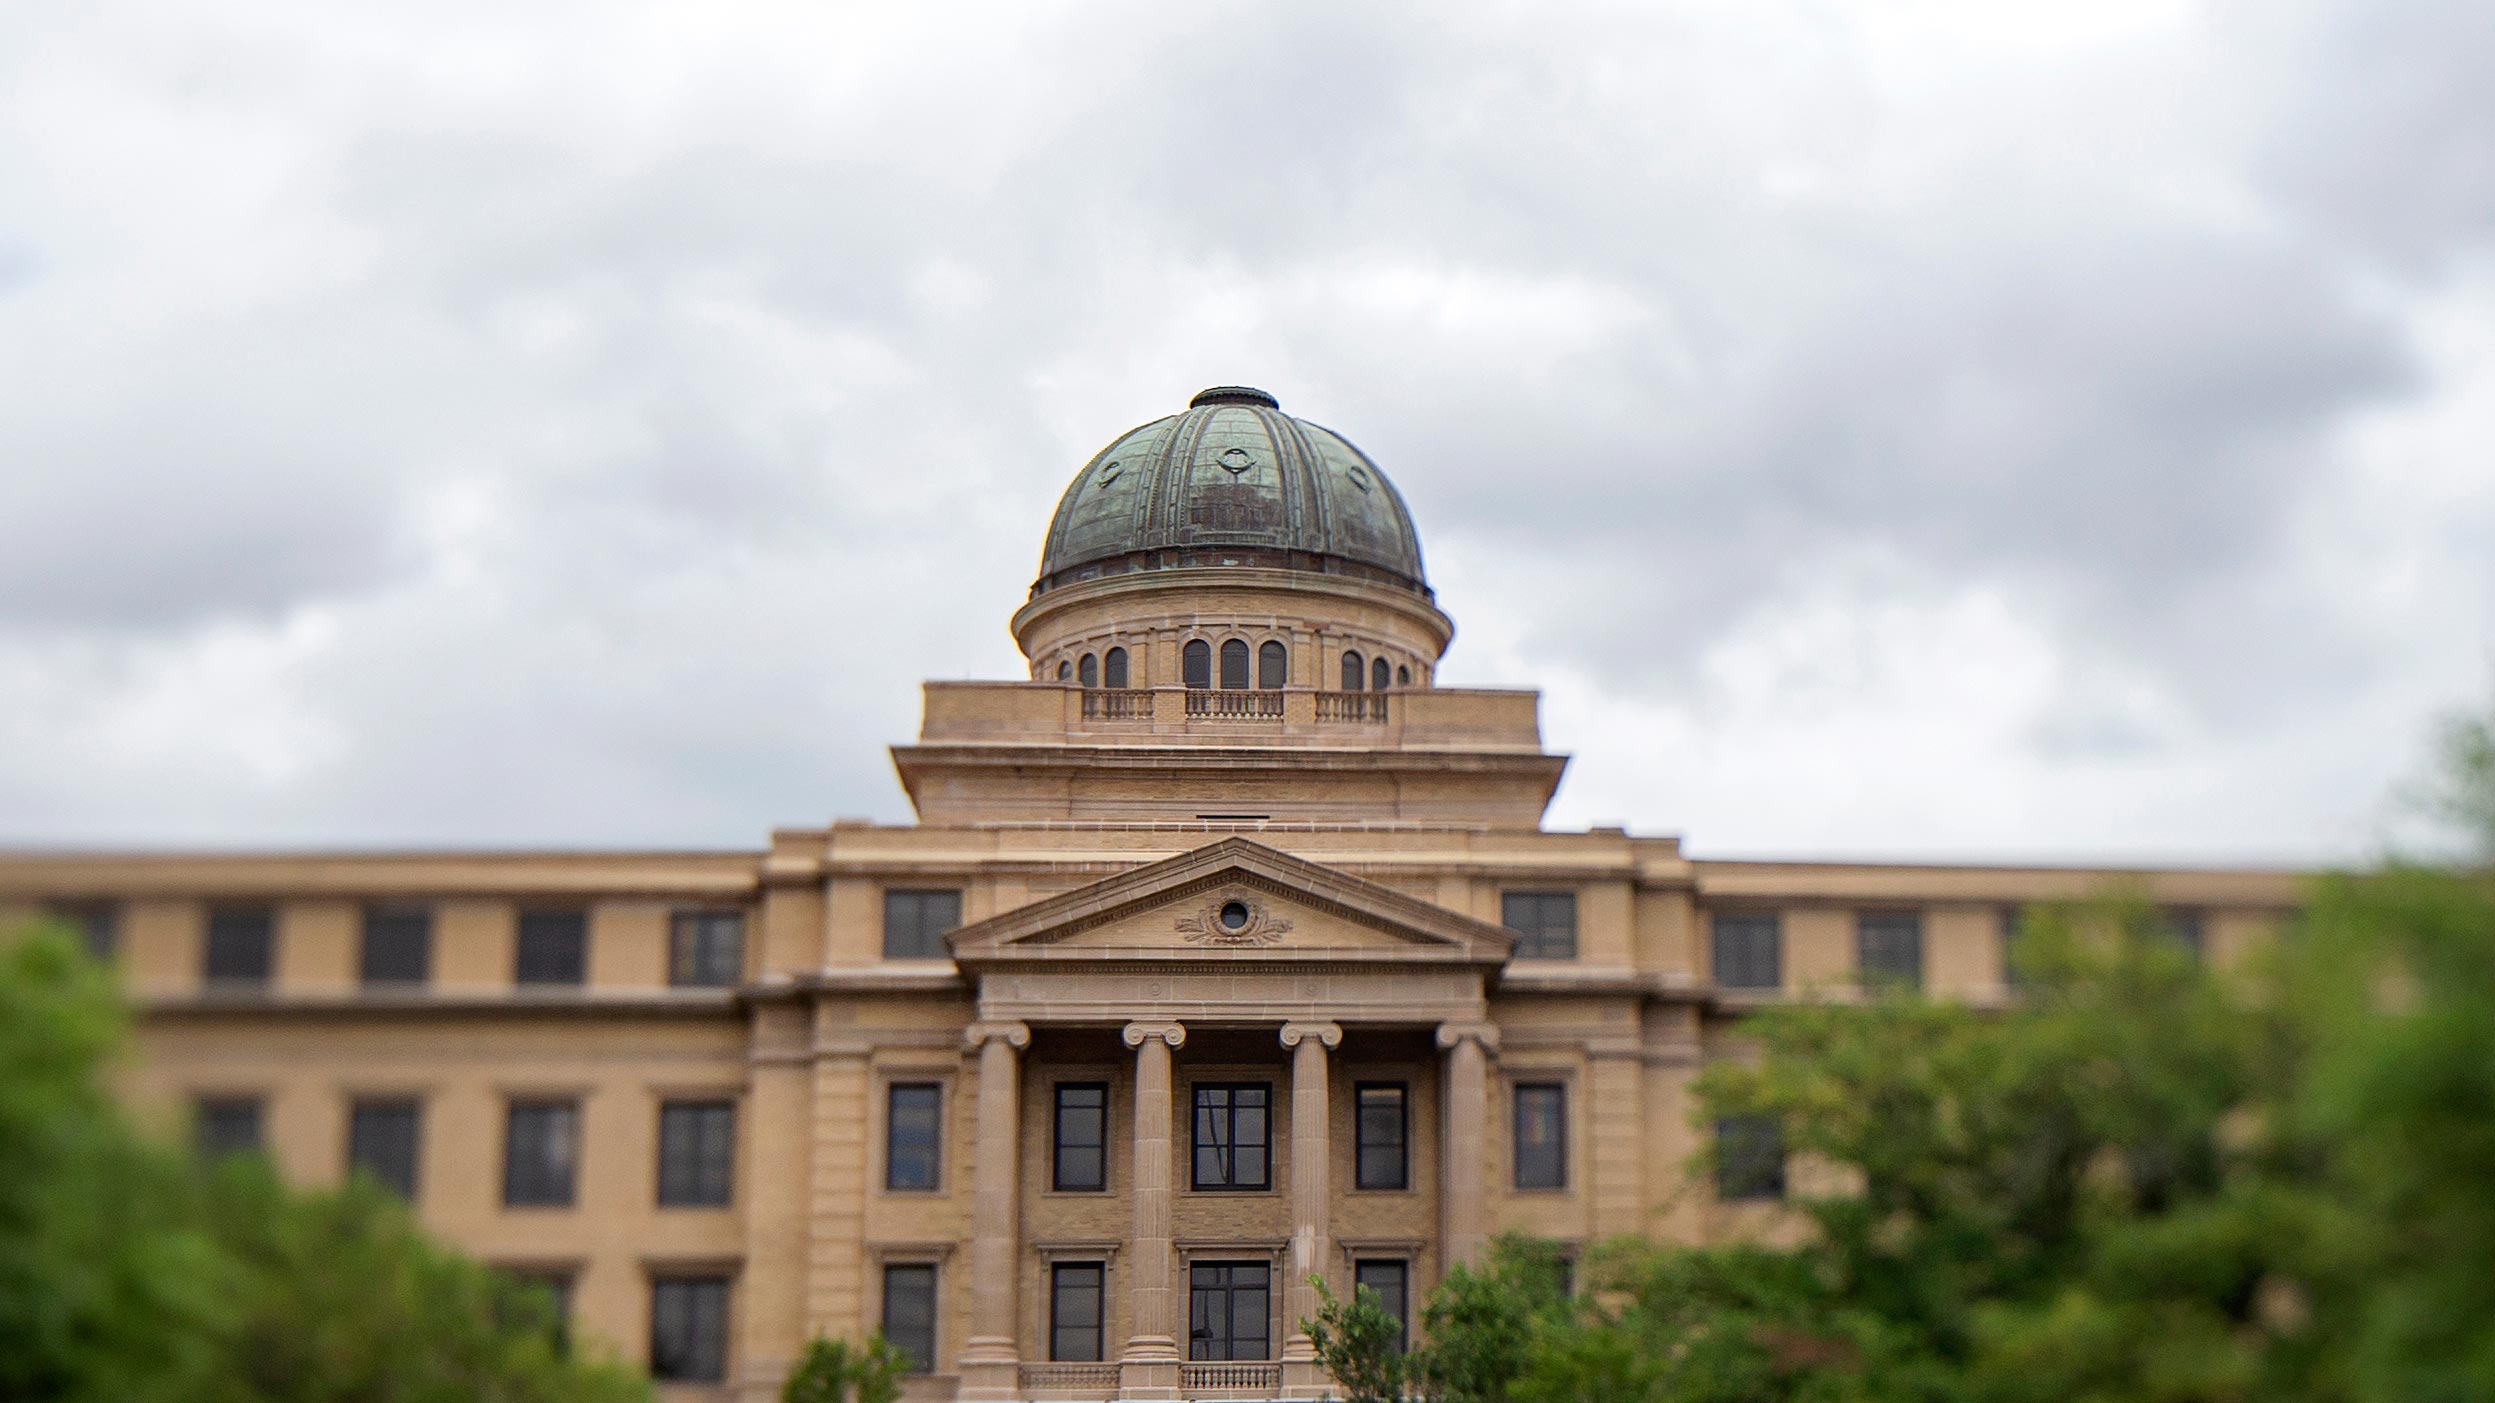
1392, 1283
1381, 1159
226, 1125
913, 1136
398, 944
2013, 920
242, 943
696, 1154
1074, 1313
706, 949
1229, 1310
2183, 926
916, 922
1545, 923
1541, 1135
97, 923
689, 1329
552, 946
1749, 1158
910, 1312
1888, 948
556, 1287
1233, 1136
541, 1154
1749, 950
1082, 1137
382, 1140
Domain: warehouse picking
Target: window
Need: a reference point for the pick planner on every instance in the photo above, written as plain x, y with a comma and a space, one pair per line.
226, 1125
910, 1312
557, 1286
1082, 1137
398, 945
916, 922
1113, 668
1749, 950
1088, 673
696, 1154
1233, 1137
553, 946
1392, 1283
1382, 1159
242, 943
1074, 1314
1379, 677
706, 948
382, 1136
1749, 1158
1541, 1135
1888, 947
1403, 675
913, 1136
2183, 926
2013, 920
1229, 1310
1196, 661
1234, 665
1273, 666
1352, 672
1065, 671
541, 1152
1545, 923
689, 1329
98, 924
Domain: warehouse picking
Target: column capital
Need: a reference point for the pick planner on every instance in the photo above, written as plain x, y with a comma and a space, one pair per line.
1450, 1035
1137, 1034
1014, 1033
1328, 1034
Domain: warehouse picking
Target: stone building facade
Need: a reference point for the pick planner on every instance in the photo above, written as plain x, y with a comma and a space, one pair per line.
1228, 948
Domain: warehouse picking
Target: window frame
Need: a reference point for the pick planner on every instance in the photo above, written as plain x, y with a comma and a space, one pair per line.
1087, 671
1229, 1289
1273, 665
1873, 976
552, 1179
693, 957
1355, 671
1381, 675
1196, 1145
709, 1366
1113, 669
1723, 925
893, 1090
1519, 1093
933, 1276
696, 1185
220, 933
360, 1153
1758, 1179
1057, 1144
1402, 1308
569, 964
1236, 650
394, 946
1099, 1288
1537, 943
1195, 665
925, 943
206, 1112
1361, 1146
2012, 928
97, 924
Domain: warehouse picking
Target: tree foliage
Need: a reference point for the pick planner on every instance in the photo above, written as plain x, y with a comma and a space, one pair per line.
834, 1371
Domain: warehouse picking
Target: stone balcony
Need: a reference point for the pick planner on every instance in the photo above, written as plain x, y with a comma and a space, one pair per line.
1480, 720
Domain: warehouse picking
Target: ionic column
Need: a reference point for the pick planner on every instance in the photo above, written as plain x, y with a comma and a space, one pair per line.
1311, 1146
990, 1362
1149, 1367
1464, 1138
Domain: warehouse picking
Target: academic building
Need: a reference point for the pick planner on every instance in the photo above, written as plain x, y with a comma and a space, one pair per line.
1228, 948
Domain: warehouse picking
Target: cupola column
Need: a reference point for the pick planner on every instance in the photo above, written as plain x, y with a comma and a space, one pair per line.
990, 1362
1311, 1146
1149, 1366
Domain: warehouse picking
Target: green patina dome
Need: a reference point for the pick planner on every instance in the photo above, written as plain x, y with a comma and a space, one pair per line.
1232, 481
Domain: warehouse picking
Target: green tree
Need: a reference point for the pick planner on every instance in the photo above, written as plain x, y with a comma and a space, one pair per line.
831, 1371
1357, 1341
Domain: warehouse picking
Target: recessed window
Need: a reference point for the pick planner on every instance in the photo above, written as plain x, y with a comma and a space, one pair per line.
1545, 923
1234, 915
1235, 665
1081, 1137
1196, 663
1379, 677
1749, 950
1391, 1283
541, 1153
98, 924
1403, 675
689, 1329
1273, 666
552, 946
1888, 948
910, 1312
1541, 1135
913, 1136
1113, 668
398, 945
226, 1125
1229, 1310
242, 942
706, 949
382, 1140
1383, 1159
916, 922
696, 1154
1233, 1135
2184, 926
1355, 673
1065, 671
1074, 1311
2013, 928
1749, 1158
1088, 671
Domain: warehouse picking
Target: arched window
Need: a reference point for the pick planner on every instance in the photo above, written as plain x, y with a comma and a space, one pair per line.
1273, 666
1198, 658
1403, 676
1379, 676
1065, 672
1113, 668
1353, 670
1234, 665
1089, 671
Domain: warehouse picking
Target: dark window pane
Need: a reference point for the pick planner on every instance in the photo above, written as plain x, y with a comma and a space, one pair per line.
1074, 1313
1273, 666
1197, 660
2013, 922
1545, 923
382, 1139
1378, 676
1229, 1311
916, 922
98, 924
1541, 1135
1233, 1135
242, 944
1065, 672
398, 944
1749, 950
1403, 675
1354, 673
541, 1149
1234, 665
1088, 672
1113, 668
1749, 1158
1382, 1161
2184, 926
696, 1154
553, 946
1082, 1138
910, 1312
227, 1125
913, 1136
706, 948
1391, 1282
689, 1329
1889, 949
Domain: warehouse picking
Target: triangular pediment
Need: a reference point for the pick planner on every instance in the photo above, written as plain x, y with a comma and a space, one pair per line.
1233, 899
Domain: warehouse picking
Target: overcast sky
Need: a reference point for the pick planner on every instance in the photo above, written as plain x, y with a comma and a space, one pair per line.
1884, 428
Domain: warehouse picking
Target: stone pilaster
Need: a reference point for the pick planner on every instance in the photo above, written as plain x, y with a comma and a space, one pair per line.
1149, 1365
1311, 1148
990, 1362
1463, 1191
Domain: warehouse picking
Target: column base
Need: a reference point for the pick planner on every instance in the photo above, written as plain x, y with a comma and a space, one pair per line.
989, 1370
1149, 1368
1306, 1378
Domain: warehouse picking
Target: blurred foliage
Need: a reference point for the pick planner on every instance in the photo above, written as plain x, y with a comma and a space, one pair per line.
834, 1371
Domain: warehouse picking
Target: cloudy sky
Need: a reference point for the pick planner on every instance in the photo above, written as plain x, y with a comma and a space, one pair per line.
1908, 427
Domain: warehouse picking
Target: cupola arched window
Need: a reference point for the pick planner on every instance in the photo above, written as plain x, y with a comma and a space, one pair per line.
1113, 668
1379, 677
1198, 658
1273, 666
1089, 672
1403, 676
1234, 665
1353, 671
1065, 672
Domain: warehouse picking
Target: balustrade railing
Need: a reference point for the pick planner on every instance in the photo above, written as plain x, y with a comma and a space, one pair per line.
1117, 704
1193, 1378
1103, 1377
1369, 707
1235, 705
